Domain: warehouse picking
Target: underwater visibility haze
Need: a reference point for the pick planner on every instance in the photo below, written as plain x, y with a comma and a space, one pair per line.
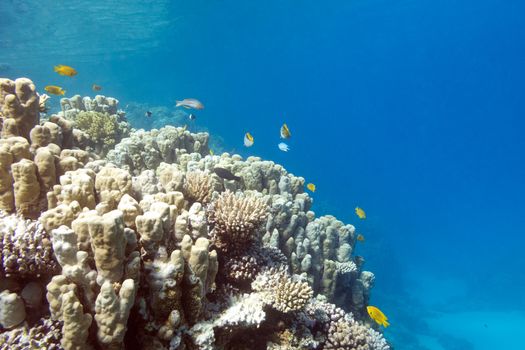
411, 110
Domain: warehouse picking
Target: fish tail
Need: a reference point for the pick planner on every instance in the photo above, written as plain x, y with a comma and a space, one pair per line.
385, 323
63, 92
178, 103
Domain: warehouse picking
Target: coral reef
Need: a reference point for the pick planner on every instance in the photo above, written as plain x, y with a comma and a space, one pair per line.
103, 124
149, 248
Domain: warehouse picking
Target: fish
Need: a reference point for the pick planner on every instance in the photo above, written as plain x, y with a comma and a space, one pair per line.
225, 174
211, 152
283, 147
189, 103
248, 140
360, 238
377, 315
96, 87
360, 212
192, 116
148, 114
311, 187
285, 132
65, 70
55, 90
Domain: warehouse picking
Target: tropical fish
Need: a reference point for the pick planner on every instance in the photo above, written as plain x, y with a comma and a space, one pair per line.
360, 238
283, 147
211, 152
148, 114
96, 87
192, 116
248, 140
360, 212
285, 132
65, 70
189, 103
55, 90
377, 315
225, 174
311, 187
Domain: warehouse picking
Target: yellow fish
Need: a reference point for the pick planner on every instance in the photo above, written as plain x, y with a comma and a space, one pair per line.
248, 140
211, 152
360, 212
285, 132
96, 87
55, 90
65, 70
378, 316
360, 238
311, 187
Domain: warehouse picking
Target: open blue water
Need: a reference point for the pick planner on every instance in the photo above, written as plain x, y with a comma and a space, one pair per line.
413, 110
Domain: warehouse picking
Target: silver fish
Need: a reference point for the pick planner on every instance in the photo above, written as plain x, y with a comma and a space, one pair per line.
189, 103
283, 147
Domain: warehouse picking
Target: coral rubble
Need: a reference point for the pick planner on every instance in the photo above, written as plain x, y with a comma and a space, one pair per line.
120, 239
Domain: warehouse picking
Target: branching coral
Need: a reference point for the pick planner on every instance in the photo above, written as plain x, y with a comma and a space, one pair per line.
25, 248
282, 292
198, 186
103, 129
235, 219
45, 334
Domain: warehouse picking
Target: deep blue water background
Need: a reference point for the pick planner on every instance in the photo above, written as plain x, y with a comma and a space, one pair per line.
413, 110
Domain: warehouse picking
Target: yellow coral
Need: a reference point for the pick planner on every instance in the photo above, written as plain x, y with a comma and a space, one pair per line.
103, 129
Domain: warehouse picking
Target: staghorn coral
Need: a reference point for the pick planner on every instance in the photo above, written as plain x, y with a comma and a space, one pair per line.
235, 219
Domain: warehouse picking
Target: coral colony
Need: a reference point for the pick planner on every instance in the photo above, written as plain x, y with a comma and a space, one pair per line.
112, 238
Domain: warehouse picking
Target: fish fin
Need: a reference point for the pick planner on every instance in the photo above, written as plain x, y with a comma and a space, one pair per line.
385, 323
178, 103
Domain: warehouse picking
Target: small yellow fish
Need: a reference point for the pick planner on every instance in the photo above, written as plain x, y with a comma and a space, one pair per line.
285, 132
248, 140
96, 87
55, 90
360, 212
211, 152
65, 70
311, 187
360, 238
378, 316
